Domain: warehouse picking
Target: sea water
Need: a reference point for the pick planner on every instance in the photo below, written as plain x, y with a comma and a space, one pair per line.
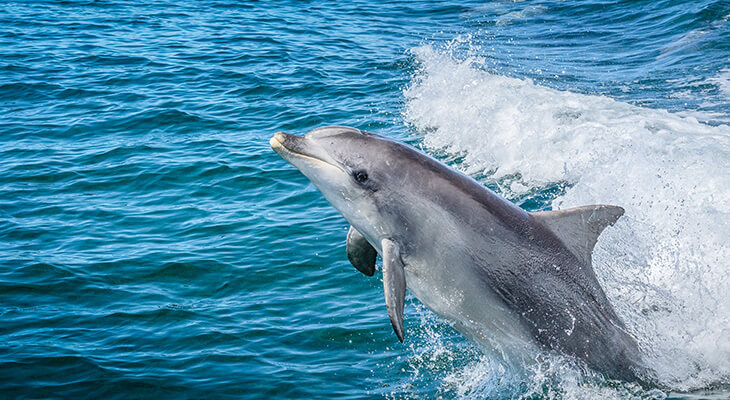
152, 244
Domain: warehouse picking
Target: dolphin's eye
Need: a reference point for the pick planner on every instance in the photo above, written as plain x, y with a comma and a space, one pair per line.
360, 176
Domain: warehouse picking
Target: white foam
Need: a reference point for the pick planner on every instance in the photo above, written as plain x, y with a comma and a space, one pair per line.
722, 81
665, 263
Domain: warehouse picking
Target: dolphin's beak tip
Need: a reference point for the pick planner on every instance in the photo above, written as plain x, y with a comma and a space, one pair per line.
277, 140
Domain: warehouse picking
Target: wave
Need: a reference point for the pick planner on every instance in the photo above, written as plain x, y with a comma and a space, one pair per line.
664, 264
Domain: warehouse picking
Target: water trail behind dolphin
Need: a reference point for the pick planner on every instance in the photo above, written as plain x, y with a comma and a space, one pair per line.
664, 265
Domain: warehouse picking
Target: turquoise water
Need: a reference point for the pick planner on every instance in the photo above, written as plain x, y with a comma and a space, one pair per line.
153, 245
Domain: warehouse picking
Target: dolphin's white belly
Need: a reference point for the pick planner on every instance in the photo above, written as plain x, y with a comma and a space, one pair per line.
448, 284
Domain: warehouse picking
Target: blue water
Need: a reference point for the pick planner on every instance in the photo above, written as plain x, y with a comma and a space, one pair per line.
152, 244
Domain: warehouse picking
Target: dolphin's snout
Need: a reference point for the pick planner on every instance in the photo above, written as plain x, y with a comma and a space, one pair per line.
292, 146
295, 148
279, 139
286, 141
280, 136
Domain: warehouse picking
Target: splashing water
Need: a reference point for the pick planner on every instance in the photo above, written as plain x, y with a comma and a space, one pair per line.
663, 265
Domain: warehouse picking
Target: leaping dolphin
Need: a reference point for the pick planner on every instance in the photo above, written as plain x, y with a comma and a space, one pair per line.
502, 276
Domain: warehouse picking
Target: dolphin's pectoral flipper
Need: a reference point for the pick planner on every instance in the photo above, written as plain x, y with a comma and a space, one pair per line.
394, 283
579, 228
361, 253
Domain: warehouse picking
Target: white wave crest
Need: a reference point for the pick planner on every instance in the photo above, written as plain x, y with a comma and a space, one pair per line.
722, 81
665, 263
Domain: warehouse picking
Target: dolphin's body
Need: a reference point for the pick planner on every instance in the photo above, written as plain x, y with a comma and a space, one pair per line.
504, 277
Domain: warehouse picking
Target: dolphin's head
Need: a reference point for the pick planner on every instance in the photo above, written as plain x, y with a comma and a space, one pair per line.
356, 171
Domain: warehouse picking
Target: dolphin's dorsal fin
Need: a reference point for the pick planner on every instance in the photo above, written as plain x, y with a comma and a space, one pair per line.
578, 228
360, 253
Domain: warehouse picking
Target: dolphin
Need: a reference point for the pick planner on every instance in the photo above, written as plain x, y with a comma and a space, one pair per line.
506, 278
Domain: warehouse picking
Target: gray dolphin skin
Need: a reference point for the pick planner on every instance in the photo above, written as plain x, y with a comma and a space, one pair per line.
508, 279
